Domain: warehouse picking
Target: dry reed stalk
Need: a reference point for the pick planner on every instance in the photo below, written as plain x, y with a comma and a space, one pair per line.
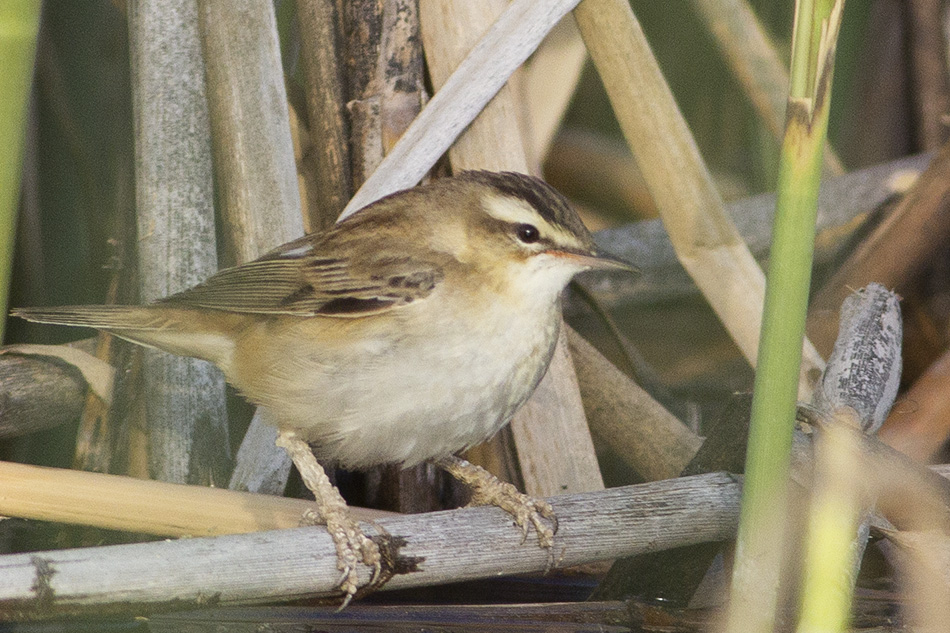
931, 80
326, 110
504, 47
145, 506
645, 435
384, 77
256, 174
428, 549
176, 239
254, 157
385, 87
919, 424
546, 86
706, 241
900, 245
555, 450
494, 139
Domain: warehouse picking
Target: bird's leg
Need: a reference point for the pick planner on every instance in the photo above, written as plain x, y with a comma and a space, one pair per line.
489, 490
352, 545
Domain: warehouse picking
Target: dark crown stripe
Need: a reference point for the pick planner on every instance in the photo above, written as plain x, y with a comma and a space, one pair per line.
544, 198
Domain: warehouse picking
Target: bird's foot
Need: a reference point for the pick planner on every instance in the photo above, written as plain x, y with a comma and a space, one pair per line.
487, 489
352, 547
524, 508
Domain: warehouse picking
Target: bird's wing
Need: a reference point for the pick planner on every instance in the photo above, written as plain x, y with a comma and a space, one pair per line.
311, 277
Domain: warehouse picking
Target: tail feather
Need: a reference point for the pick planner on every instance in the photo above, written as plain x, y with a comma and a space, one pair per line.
181, 331
103, 317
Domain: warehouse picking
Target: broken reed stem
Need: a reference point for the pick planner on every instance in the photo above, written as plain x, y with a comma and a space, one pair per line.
384, 77
856, 392
751, 54
38, 394
429, 549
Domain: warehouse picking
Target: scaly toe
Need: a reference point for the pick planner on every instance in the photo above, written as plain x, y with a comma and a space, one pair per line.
371, 557
352, 548
489, 490
526, 511
545, 534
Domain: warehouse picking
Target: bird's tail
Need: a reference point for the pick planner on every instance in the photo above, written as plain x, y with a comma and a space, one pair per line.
182, 331
110, 317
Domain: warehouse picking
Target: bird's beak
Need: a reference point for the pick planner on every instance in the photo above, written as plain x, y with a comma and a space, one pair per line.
593, 260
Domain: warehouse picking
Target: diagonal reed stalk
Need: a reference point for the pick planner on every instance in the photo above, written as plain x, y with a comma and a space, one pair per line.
754, 592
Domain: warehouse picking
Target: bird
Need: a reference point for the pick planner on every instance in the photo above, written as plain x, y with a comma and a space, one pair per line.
408, 332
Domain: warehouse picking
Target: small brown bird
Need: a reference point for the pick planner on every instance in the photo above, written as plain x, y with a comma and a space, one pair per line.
411, 330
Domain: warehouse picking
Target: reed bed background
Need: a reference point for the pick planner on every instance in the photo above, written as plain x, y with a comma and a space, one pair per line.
163, 140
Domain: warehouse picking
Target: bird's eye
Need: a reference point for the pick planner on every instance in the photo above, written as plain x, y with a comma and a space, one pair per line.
528, 233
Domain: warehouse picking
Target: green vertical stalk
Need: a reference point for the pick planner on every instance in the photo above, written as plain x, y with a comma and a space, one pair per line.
19, 24
760, 540
832, 554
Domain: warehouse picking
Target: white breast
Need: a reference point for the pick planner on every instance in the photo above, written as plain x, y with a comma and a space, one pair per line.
427, 392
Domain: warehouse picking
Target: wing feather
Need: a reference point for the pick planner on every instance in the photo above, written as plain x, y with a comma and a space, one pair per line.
311, 277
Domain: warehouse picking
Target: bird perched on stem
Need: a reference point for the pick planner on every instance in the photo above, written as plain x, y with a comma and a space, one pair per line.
410, 331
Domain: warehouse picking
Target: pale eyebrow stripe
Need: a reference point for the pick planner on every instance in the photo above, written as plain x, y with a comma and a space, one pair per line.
516, 211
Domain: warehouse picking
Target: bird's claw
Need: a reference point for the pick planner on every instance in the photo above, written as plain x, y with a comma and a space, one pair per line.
352, 547
488, 490
526, 510
534, 511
